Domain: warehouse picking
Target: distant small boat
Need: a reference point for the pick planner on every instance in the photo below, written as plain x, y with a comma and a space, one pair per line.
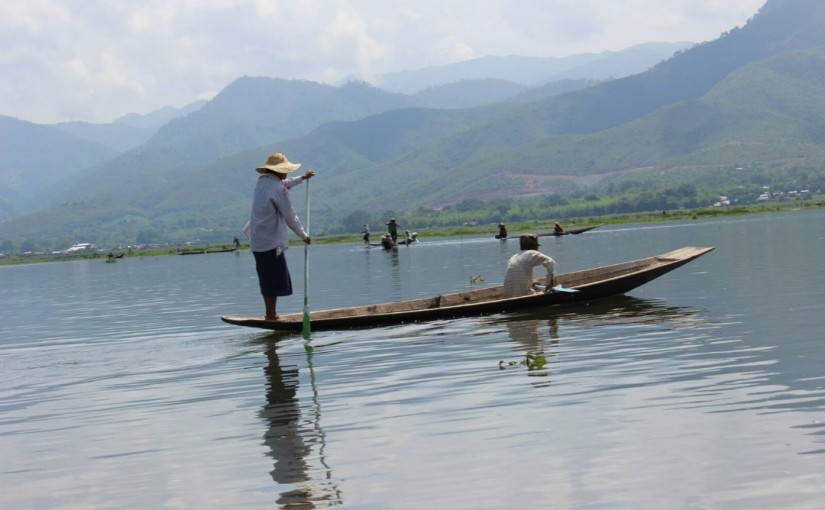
572, 231
576, 287
201, 251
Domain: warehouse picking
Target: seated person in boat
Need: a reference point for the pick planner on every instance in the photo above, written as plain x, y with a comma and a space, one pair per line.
386, 242
518, 280
410, 237
502, 231
558, 229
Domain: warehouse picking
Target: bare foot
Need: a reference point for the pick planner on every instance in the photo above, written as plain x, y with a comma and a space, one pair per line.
272, 317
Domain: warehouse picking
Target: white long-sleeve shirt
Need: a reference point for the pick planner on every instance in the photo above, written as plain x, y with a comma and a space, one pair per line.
272, 213
519, 275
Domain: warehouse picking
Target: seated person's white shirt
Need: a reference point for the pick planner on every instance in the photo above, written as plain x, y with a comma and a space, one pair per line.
519, 275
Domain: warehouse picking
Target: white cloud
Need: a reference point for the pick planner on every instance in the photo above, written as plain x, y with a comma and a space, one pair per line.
96, 60
33, 16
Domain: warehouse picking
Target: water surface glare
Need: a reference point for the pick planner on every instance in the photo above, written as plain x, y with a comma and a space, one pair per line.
705, 388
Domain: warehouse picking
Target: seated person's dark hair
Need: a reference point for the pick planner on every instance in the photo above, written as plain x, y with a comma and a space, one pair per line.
528, 242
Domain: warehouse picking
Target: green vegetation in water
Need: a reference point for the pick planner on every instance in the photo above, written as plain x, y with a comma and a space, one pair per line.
532, 360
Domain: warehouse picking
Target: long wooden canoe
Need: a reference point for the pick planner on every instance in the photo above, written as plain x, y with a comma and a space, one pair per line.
591, 284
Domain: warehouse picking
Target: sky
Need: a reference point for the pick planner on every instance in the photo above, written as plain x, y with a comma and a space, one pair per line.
97, 60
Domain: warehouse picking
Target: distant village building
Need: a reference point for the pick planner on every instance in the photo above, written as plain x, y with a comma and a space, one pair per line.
78, 247
766, 194
723, 201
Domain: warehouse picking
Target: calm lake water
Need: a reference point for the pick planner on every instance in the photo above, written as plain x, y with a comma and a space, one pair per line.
121, 388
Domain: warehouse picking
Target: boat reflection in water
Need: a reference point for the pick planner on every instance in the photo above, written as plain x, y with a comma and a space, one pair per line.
291, 438
537, 339
296, 440
535, 332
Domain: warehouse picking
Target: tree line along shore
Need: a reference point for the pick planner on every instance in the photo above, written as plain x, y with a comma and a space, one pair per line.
537, 226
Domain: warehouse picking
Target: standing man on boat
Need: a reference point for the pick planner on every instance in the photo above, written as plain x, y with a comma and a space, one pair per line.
392, 228
271, 214
518, 280
502, 231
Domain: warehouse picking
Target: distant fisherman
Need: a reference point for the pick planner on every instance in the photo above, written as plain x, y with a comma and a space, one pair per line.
392, 228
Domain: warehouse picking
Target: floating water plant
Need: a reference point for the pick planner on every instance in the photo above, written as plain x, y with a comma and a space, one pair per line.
533, 361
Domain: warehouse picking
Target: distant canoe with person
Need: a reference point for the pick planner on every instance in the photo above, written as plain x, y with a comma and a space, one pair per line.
576, 287
572, 231
201, 251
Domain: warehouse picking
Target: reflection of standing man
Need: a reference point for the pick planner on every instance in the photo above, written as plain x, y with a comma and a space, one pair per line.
283, 414
392, 228
288, 437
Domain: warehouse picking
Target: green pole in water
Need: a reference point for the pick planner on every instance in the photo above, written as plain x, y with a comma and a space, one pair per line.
306, 331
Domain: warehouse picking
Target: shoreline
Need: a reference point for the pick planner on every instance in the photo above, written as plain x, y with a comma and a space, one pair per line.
536, 226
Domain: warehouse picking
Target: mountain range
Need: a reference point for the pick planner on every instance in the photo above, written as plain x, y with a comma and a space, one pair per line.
751, 97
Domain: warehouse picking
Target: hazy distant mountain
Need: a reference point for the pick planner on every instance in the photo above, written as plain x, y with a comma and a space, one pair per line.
117, 137
255, 111
534, 71
128, 131
154, 120
468, 93
36, 160
246, 114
